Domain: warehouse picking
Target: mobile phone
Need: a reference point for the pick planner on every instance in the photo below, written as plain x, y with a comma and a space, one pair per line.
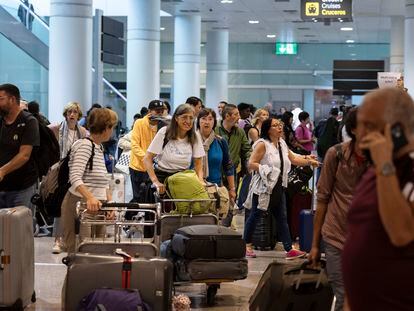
398, 138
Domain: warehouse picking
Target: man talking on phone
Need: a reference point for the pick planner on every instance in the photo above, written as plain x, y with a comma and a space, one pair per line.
378, 256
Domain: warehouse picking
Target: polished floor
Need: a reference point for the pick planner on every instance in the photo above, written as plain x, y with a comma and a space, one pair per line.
50, 273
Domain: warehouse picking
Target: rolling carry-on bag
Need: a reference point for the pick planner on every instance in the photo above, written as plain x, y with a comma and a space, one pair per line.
265, 235
300, 201
292, 287
16, 258
86, 273
306, 224
208, 242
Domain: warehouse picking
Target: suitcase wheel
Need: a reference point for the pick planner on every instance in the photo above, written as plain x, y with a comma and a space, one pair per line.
211, 294
33, 297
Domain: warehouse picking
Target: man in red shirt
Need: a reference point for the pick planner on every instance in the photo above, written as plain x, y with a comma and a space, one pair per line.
378, 256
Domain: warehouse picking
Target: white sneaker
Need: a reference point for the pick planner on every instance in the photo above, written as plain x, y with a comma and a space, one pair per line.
57, 248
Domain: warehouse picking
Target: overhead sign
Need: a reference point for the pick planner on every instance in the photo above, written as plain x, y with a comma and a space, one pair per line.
388, 79
322, 9
286, 48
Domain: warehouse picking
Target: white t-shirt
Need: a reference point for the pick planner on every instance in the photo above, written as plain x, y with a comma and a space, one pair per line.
177, 154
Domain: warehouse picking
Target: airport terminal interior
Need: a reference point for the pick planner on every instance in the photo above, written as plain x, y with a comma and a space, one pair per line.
280, 55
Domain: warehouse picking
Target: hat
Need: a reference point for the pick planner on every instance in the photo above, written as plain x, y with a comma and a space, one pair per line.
156, 104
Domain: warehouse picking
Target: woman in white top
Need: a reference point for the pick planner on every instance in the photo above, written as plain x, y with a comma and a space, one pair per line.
87, 172
174, 148
66, 133
271, 160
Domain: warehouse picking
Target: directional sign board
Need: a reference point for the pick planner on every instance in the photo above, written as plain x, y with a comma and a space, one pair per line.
286, 48
323, 9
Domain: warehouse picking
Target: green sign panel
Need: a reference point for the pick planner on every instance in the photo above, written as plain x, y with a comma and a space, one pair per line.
286, 48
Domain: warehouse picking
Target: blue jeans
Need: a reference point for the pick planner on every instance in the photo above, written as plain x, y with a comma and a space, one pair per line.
17, 198
278, 209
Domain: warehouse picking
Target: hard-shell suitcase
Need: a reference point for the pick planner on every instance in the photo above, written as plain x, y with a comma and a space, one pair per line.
265, 235
204, 269
86, 272
117, 184
16, 257
306, 230
292, 287
300, 201
208, 242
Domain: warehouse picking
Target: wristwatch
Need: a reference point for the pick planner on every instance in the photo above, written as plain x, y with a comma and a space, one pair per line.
387, 169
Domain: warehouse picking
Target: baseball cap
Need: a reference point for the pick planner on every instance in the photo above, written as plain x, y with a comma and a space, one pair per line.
156, 104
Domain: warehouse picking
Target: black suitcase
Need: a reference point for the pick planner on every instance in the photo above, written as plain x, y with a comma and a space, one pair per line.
204, 270
265, 235
208, 242
292, 287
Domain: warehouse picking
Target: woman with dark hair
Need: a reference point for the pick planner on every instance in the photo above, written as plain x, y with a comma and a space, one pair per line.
304, 134
271, 161
289, 133
174, 147
217, 160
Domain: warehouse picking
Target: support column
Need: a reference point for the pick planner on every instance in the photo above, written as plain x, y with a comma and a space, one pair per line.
217, 67
143, 55
187, 39
309, 103
70, 55
397, 44
409, 46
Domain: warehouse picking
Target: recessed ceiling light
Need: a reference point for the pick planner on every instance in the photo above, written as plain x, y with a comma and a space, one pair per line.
352, 54
315, 20
350, 41
226, 1
271, 36
162, 28
347, 28
253, 22
201, 44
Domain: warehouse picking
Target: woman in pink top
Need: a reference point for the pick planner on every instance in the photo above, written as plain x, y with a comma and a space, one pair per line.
303, 133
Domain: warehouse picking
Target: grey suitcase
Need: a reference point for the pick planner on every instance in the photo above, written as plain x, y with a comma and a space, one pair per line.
205, 270
16, 257
86, 272
138, 249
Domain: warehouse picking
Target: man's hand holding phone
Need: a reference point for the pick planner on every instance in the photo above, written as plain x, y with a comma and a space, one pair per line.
380, 146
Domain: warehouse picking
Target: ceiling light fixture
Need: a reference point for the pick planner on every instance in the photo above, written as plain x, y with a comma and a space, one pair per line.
347, 28
253, 22
226, 1
271, 36
162, 28
350, 41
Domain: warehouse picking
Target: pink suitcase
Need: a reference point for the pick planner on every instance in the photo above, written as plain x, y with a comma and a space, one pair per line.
16, 258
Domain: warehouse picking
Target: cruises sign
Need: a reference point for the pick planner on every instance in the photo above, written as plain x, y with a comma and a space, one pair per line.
322, 9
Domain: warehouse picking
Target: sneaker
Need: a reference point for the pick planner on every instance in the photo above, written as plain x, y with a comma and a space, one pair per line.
250, 253
294, 253
57, 247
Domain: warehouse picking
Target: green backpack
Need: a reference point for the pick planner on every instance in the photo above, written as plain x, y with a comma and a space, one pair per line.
186, 185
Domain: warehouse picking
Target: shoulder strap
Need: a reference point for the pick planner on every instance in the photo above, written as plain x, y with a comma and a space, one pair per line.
165, 141
90, 161
339, 153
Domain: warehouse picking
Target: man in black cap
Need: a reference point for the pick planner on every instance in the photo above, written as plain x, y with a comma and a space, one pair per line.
143, 133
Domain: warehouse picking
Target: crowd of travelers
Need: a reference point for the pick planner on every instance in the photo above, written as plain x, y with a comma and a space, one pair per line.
365, 181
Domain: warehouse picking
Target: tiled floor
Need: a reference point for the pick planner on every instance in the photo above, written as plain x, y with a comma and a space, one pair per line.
50, 273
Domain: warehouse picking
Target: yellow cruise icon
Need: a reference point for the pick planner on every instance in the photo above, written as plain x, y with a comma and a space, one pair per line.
312, 9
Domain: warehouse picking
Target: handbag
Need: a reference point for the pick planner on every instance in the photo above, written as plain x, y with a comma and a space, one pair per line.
222, 204
123, 162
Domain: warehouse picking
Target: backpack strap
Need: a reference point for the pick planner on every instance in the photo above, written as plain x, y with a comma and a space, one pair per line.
90, 161
165, 141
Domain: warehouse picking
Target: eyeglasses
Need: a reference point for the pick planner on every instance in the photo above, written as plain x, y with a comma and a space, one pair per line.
186, 118
279, 124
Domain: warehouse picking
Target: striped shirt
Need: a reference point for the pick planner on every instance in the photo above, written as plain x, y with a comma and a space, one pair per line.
79, 174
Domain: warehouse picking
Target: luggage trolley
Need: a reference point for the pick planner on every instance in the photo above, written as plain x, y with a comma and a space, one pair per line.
118, 232
170, 222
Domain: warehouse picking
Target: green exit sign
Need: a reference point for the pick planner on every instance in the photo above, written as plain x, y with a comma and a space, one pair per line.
286, 48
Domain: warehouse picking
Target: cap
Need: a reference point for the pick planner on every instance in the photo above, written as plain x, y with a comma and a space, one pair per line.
156, 104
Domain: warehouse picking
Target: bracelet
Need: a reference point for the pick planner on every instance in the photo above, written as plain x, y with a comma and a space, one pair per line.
232, 189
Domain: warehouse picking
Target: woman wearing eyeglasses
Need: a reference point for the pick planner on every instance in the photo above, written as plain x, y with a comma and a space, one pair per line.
271, 160
174, 147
